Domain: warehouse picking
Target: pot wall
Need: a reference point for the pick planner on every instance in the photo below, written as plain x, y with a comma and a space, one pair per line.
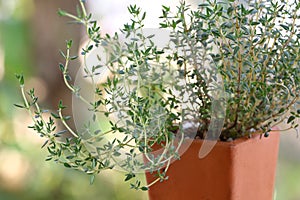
243, 169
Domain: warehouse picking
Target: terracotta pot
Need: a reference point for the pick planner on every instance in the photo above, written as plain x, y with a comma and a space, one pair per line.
243, 169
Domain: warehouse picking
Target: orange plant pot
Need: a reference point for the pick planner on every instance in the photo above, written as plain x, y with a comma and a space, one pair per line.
243, 169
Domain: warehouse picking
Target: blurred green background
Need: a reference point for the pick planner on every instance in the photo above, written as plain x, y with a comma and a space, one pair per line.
31, 34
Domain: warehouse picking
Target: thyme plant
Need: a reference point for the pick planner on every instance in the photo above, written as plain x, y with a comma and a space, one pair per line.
255, 46
250, 50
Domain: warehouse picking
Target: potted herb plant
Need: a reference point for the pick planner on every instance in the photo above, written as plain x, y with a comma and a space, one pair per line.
228, 75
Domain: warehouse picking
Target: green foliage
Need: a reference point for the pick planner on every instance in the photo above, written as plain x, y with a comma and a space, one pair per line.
256, 49
251, 49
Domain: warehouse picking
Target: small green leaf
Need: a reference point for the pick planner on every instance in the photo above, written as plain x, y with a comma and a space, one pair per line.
62, 53
281, 110
61, 12
216, 32
236, 50
78, 10
144, 188
61, 67
167, 9
60, 105
45, 143
48, 159
69, 43
20, 78
55, 116
129, 176
267, 134
92, 179
68, 77
90, 47
73, 57
203, 5
144, 16
67, 118
230, 36
163, 25
19, 106
254, 23
60, 133
150, 36
117, 154
285, 27
67, 165
290, 119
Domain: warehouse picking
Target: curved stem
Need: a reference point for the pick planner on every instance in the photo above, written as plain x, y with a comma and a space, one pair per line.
65, 124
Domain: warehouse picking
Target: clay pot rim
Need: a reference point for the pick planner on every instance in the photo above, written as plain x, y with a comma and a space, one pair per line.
255, 137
